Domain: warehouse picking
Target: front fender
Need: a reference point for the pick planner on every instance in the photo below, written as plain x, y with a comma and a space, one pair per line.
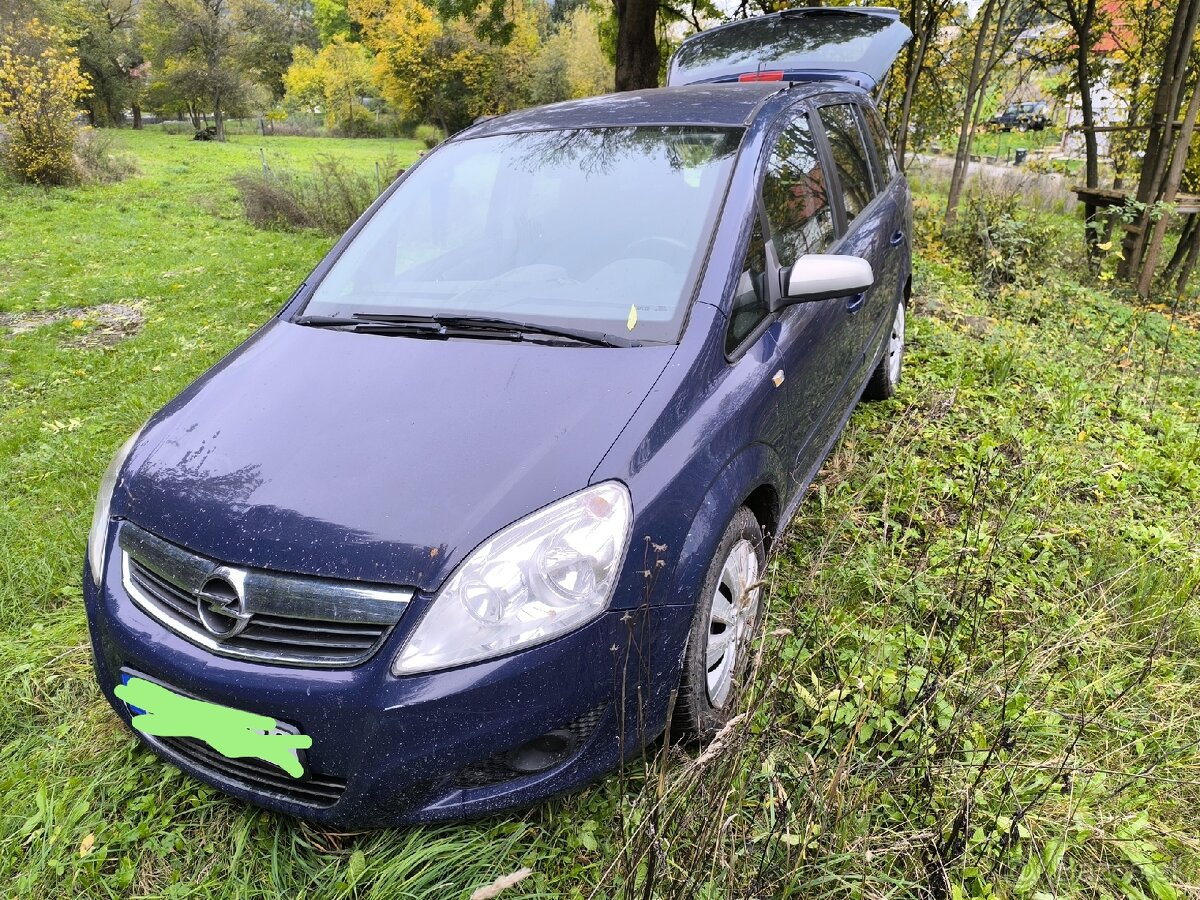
753, 467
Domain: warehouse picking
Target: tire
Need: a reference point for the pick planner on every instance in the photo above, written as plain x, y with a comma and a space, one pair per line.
722, 630
886, 377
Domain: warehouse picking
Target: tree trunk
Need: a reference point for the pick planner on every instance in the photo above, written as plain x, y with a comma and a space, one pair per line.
1186, 234
1082, 24
137, 116
637, 44
1190, 265
975, 89
914, 62
1167, 100
1171, 187
218, 118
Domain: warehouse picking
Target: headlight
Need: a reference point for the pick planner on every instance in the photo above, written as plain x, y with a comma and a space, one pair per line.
99, 533
540, 577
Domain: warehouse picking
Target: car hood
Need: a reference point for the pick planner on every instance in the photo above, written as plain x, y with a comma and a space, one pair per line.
385, 459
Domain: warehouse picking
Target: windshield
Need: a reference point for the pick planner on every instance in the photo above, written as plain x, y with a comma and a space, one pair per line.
597, 229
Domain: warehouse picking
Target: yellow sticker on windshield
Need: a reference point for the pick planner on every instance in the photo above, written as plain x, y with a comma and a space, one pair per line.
632, 318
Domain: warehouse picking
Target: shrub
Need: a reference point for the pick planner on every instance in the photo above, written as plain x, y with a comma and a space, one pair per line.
1000, 240
429, 135
40, 85
97, 160
329, 199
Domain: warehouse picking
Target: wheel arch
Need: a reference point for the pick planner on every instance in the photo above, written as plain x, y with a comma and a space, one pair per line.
753, 478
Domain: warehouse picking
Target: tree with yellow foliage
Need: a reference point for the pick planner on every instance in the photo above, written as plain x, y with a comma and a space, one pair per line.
441, 71
335, 80
40, 87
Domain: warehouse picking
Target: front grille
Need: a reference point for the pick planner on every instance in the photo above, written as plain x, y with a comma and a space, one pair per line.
267, 635
285, 619
499, 767
257, 775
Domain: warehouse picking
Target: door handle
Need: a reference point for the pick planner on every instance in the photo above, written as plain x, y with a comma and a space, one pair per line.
854, 304
897, 239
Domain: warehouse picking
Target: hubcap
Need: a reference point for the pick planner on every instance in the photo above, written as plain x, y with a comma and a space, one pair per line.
896, 345
734, 611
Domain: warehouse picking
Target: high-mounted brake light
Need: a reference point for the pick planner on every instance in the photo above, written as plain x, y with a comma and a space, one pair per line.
761, 76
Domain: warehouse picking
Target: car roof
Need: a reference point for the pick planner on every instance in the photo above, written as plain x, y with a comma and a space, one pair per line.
695, 104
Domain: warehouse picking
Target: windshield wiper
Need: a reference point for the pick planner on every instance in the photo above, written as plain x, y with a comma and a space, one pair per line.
448, 326
420, 328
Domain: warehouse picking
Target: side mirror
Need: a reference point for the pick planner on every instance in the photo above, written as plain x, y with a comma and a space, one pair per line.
819, 276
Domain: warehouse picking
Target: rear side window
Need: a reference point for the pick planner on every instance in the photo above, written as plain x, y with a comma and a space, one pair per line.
883, 147
795, 195
850, 157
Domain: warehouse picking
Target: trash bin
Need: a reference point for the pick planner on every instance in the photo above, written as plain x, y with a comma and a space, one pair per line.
1019, 156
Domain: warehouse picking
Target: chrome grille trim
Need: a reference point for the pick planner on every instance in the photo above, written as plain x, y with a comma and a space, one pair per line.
294, 619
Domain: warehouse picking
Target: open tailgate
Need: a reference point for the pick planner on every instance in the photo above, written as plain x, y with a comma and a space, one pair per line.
852, 44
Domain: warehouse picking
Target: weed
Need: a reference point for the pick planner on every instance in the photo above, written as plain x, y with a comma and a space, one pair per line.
328, 199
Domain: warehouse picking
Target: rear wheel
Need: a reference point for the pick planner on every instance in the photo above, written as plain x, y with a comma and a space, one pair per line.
726, 618
886, 377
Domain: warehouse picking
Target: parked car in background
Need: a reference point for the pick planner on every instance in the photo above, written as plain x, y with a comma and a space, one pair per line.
1031, 116
448, 533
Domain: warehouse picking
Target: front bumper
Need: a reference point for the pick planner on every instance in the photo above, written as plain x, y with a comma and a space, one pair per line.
418, 748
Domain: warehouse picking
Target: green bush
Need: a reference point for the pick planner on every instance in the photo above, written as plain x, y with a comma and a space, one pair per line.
1000, 241
429, 135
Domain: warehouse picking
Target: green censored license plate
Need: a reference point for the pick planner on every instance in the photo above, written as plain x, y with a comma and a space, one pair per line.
233, 733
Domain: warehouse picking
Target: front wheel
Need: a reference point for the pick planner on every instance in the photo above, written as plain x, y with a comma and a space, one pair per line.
886, 377
726, 618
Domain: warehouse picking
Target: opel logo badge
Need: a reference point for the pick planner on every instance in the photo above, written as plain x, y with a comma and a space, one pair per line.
221, 603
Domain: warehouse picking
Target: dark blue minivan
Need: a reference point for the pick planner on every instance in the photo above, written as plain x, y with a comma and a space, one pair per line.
450, 532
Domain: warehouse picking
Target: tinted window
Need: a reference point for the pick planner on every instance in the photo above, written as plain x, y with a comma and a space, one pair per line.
750, 295
849, 156
883, 147
794, 194
596, 229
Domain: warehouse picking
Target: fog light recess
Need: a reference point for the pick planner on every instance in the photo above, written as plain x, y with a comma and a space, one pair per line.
539, 755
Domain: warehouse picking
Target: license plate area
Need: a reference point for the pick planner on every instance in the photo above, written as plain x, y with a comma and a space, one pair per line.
282, 756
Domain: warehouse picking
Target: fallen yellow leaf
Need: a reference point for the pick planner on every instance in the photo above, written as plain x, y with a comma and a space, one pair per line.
85, 846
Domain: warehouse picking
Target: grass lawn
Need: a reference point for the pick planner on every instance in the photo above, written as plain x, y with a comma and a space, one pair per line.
981, 655
993, 142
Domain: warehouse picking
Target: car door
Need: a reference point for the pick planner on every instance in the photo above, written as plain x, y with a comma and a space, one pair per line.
897, 210
815, 338
868, 215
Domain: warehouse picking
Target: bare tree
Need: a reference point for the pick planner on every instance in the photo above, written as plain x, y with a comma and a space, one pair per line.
993, 27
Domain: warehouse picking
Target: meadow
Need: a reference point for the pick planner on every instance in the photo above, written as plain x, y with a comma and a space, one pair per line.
979, 668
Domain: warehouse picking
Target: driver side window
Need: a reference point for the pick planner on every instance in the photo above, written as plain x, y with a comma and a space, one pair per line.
750, 295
